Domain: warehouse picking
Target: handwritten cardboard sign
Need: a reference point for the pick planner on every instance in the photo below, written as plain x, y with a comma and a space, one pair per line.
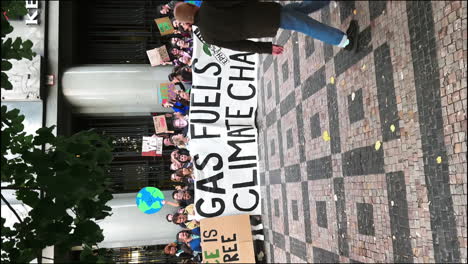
160, 124
152, 146
227, 239
166, 92
164, 25
158, 55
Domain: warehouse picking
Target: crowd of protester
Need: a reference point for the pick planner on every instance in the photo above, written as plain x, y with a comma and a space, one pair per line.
187, 244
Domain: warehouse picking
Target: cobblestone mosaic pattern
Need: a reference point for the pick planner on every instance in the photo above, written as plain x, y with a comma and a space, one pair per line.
363, 156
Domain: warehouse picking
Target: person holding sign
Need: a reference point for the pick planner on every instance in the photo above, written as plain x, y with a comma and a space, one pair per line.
167, 9
178, 176
181, 123
182, 197
178, 250
185, 220
191, 238
230, 24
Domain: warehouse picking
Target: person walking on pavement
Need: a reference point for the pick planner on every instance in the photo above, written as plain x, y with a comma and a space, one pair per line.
229, 24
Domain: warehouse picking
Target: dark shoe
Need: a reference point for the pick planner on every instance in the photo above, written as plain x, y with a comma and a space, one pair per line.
353, 35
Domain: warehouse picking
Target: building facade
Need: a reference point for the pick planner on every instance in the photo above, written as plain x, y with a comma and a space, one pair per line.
91, 71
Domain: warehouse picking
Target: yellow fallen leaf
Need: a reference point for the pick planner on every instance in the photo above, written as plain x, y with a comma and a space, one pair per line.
439, 159
355, 12
332, 80
363, 67
326, 136
392, 128
377, 145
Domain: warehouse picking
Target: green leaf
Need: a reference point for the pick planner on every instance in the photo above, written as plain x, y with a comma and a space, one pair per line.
6, 65
55, 172
14, 8
206, 49
44, 136
6, 44
87, 256
105, 196
78, 148
28, 197
5, 83
17, 43
27, 44
12, 114
6, 27
103, 156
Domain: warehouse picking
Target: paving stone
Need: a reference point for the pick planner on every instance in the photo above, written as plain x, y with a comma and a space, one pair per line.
296, 60
409, 72
365, 219
295, 210
298, 248
376, 8
314, 83
288, 103
319, 168
285, 70
346, 9
289, 139
276, 203
427, 83
269, 90
324, 256
355, 107
315, 126
275, 176
321, 208
310, 46
327, 49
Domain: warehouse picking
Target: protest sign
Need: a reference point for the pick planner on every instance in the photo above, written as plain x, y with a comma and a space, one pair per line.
222, 130
227, 239
152, 146
160, 124
194, 2
157, 56
164, 25
166, 92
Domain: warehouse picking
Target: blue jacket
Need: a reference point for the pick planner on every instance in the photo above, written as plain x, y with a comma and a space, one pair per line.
178, 107
195, 244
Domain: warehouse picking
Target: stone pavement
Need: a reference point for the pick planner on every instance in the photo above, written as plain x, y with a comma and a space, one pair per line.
389, 182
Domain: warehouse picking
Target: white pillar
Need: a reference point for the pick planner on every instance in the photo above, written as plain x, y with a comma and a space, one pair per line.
116, 89
128, 226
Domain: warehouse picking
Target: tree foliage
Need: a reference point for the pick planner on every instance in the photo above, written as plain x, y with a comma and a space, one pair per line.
66, 186
12, 49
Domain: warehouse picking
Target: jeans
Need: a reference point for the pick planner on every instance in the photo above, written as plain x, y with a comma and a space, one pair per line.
295, 17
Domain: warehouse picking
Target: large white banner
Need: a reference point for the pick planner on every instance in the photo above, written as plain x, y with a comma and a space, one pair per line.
222, 131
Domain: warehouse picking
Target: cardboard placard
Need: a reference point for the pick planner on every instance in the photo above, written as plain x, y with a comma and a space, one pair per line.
160, 124
157, 56
152, 146
164, 25
227, 239
166, 92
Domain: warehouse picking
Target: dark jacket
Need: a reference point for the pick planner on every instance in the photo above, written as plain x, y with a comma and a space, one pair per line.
229, 24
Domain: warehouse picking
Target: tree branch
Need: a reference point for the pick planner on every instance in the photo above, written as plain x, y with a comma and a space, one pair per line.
12, 187
11, 208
